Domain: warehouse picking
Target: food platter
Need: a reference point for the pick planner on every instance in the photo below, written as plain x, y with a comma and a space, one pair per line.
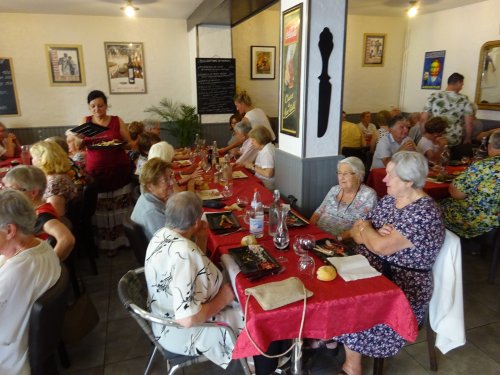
106, 145
254, 261
239, 174
328, 247
209, 194
222, 222
294, 220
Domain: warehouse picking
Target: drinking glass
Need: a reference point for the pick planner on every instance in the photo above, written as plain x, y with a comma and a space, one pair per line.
242, 201
25, 155
297, 246
308, 242
227, 191
306, 266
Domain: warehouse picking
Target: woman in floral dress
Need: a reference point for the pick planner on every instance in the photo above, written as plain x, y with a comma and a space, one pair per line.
401, 238
474, 206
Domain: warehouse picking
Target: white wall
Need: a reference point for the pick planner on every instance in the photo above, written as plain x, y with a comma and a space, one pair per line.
373, 88
461, 32
260, 30
23, 38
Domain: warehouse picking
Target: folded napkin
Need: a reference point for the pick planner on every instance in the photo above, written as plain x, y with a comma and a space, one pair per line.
353, 267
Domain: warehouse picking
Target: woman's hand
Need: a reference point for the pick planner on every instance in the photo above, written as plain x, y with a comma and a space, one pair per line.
386, 229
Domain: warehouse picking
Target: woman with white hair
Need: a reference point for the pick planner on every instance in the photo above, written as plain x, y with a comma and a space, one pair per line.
192, 289
247, 152
401, 237
28, 268
346, 202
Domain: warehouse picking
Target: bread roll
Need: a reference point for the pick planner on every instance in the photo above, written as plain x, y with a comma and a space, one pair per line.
326, 273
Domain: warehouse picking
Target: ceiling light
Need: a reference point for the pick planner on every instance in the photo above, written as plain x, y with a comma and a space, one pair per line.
129, 9
412, 12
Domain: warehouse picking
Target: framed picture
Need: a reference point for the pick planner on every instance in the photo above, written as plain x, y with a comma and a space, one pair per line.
433, 70
125, 64
65, 64
262, 62
373, 49
291, 47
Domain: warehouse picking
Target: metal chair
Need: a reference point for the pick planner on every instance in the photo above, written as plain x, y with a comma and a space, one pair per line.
136, 238
132, 291
46, 321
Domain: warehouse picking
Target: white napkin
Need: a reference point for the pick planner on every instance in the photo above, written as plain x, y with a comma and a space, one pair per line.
353, 267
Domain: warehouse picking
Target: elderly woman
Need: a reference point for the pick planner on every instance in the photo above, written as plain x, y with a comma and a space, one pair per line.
193, 291
247, 153
76, 149
253, 116
32, 182
401, 237
53, 161
475, 195
346, 202
28, 268
157, 185
9, 144
264, 162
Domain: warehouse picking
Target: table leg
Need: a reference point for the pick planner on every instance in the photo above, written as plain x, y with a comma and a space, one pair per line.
296, 361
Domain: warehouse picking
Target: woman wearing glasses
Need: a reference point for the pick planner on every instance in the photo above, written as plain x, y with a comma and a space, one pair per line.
346, 202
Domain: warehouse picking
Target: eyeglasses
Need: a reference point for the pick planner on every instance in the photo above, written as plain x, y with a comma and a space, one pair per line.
345, 174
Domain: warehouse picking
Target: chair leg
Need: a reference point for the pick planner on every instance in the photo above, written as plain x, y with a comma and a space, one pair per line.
431, 343
63, 355
496, 255
378, 366
150, 362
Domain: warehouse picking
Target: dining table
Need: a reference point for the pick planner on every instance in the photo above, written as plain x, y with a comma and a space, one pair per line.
336, 307
434, 188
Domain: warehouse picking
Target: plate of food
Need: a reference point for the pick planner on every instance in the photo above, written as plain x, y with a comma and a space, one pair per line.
183, 163
254, 261
222, 222
239, 174
209, 194
457, 163
328, 247
106, 145
295, 220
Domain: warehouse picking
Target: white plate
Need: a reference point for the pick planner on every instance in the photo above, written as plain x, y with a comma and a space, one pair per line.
209, 194
239, 174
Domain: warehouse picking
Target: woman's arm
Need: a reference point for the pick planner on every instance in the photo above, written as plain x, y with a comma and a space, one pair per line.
209, 309
64, 238
124, 131
266, 172
455, 193
386, 243
314, 218
239, 141
59, 204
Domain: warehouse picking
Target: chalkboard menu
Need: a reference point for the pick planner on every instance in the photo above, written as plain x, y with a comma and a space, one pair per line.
216, 85
8, 99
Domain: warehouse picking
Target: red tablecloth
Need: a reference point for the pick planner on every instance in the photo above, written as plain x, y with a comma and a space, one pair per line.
434, 189
336, 307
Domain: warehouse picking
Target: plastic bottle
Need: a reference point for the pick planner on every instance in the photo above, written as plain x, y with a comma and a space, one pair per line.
273, 213
483, 148
256, 219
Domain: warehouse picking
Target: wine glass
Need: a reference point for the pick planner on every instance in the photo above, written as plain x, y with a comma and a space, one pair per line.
297, 246
308, 242
306, 266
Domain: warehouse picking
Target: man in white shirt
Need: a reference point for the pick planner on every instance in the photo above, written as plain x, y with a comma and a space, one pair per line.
396, 140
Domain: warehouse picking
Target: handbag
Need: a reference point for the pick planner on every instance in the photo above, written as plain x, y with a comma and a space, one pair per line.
80, 318
273, 295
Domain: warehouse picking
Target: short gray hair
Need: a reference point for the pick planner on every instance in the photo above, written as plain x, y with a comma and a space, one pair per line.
150, 124
411, 166
494, 140
182, 210
243, 127
356, 164
28, 178
15, 208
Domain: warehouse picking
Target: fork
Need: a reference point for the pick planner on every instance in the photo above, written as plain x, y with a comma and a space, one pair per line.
234, 231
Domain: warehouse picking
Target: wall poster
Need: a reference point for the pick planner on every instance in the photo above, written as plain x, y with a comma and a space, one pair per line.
433, 70
291, 47
373, 50
65, 63
125, 64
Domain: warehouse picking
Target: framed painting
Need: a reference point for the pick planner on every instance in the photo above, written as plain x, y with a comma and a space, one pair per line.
374, 49
125, 65
262, 61
433, 70
291, 47
65, 64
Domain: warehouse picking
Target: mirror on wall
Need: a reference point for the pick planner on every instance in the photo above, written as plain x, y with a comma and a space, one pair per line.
488, 77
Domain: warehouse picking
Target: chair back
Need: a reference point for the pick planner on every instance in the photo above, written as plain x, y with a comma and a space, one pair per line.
136, 237
46, 321
362, 153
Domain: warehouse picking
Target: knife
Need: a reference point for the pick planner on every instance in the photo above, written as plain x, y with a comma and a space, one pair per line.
325, 87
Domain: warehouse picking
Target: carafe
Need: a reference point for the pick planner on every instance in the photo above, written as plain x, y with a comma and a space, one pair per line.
281, 238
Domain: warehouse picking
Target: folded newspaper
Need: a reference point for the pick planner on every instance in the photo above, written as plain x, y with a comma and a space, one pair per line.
353, 267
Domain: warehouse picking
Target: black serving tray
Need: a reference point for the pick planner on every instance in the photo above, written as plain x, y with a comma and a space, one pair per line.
89, 129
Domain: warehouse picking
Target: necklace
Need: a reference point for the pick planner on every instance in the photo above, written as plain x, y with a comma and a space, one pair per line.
349, 205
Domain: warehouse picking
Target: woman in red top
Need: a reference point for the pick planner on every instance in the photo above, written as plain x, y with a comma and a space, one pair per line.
110, 171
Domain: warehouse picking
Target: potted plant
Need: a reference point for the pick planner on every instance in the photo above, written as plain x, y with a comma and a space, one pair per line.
182, 120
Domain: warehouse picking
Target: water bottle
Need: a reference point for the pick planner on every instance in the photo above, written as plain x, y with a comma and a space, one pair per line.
256, 219
483, 148
273, 213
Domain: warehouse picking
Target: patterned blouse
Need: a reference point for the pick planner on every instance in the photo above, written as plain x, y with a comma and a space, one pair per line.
479, 212
60, 184
336, 217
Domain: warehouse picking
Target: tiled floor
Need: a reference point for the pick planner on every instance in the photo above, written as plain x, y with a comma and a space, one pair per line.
118, 346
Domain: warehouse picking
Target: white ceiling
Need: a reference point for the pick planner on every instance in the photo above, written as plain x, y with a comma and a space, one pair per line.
183, 8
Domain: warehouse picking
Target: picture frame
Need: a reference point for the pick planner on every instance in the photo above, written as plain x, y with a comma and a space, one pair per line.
125, 67
291, 49
373, 49
262, 62
65, 63
432, 74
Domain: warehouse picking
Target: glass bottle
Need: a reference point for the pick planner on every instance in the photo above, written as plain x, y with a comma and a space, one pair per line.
483, 148
281, 238
215, 157
273, 213
131, 71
